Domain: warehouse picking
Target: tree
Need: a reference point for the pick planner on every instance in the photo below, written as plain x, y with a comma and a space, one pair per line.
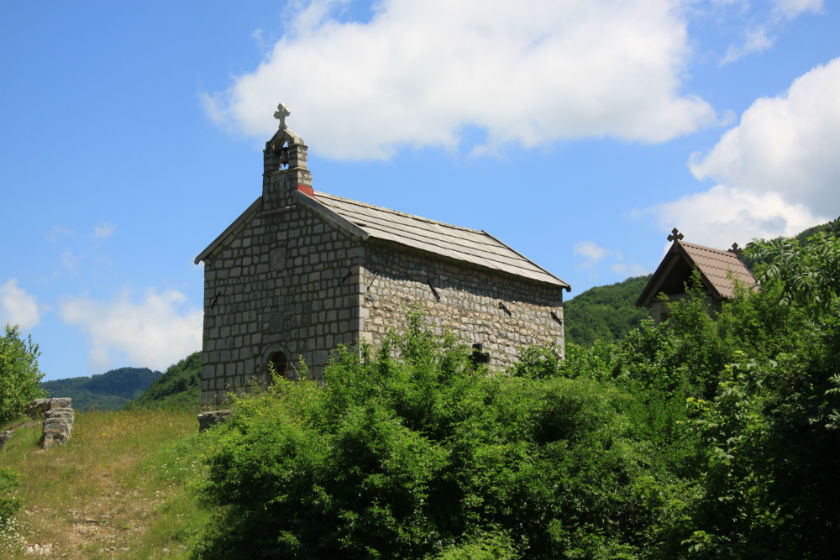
770, 445
742, 408
808, 272
19, 373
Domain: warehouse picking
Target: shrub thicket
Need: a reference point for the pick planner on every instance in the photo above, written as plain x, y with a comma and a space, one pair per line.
411, 453
699, 437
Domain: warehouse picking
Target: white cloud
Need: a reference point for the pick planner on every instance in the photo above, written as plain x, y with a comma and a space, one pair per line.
777, 171
790, 9
58, 232
591, 252
724, 215
755, 41
418, 73
156, 331
71, 261
18, 307
787, 146
593, 255
103, 231
763, 22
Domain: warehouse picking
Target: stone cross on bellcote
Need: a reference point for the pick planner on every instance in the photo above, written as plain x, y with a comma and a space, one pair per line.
281, 114
285, 158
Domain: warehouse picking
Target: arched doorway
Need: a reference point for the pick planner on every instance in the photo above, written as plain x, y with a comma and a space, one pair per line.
278, 361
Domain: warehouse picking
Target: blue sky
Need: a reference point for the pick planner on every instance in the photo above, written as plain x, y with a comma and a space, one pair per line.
578, 132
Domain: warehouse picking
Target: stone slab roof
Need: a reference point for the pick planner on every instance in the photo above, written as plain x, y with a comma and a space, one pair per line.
365, 221
719, 270
461, 244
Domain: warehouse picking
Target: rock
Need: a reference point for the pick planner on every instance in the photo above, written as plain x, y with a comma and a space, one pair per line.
67, 413
4, 437
62, 402
38, 549
209, 419
58, 419
38, 407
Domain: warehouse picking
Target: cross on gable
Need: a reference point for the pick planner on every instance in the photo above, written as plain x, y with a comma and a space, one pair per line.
675, 235
281, 114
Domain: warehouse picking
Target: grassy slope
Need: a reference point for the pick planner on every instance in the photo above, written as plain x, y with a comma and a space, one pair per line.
116, 490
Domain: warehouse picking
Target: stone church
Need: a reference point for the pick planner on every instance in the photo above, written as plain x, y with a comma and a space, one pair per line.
301, 271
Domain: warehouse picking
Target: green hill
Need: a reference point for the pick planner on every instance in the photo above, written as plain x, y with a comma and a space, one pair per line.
605, 313
106, 391
832, 227
177, 388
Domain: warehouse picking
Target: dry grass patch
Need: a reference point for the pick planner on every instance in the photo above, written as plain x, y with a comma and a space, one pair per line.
118, 489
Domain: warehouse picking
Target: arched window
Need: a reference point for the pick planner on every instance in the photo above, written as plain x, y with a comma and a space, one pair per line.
278, 361
478, 357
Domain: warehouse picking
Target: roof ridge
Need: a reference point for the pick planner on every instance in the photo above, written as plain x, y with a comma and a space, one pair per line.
712, 249
433, 236
406, 214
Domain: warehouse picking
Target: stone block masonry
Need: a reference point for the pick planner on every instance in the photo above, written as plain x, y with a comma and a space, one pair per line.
293, 284
285, 286
58, 426
500, 312
58, 417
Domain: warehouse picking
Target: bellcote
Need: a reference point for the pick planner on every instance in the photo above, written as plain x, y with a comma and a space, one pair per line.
284, 163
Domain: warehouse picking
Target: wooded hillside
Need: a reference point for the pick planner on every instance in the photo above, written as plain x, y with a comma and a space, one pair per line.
177, 388
605, 313
107, 391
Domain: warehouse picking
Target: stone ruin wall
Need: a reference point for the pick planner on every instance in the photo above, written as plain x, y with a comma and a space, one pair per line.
285, 282
58, 415
501, 312
58, 419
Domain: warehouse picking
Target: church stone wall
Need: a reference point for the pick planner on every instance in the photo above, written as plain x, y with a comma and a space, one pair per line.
289, 281
284, 283
286, 280
501, 312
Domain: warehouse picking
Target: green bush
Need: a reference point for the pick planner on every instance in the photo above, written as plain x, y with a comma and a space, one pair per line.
409, 452
19, 373
9, 503
702, 437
